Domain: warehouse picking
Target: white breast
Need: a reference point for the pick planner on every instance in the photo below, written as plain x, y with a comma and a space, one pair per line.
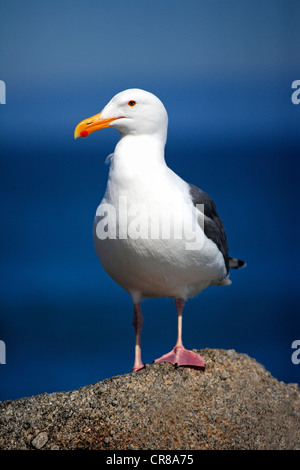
150, 260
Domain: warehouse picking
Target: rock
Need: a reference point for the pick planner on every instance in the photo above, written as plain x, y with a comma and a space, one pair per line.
234, 404
40, 440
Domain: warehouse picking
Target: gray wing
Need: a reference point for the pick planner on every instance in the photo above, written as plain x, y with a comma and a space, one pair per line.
213, 226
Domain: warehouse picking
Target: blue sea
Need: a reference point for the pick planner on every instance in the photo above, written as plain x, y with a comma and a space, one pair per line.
224, 73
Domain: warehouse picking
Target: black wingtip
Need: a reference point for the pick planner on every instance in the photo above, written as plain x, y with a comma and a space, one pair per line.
235, 263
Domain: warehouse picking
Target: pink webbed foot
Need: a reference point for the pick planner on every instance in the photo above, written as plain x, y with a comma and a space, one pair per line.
183, 357
138, 367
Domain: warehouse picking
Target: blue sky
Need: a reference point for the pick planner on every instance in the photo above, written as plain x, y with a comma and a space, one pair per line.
224, 72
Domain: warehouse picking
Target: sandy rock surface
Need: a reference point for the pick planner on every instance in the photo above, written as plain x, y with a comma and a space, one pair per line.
234, 404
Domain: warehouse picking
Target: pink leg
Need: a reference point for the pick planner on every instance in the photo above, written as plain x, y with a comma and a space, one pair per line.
137, 322
179, 355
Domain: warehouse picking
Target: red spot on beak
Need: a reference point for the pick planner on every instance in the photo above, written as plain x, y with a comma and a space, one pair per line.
84, 133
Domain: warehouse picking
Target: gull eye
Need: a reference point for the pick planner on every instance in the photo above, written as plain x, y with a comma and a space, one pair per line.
131, 103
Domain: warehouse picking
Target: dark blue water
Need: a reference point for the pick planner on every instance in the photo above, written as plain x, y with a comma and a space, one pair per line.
65, 323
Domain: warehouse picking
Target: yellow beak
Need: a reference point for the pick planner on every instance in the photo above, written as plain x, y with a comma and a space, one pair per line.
92, 124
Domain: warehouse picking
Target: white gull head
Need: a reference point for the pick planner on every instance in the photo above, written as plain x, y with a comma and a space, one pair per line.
131, 112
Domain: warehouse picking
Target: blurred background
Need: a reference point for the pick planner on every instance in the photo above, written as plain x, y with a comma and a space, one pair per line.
224, 72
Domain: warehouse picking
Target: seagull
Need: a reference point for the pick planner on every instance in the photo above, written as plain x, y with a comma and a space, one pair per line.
155, 234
